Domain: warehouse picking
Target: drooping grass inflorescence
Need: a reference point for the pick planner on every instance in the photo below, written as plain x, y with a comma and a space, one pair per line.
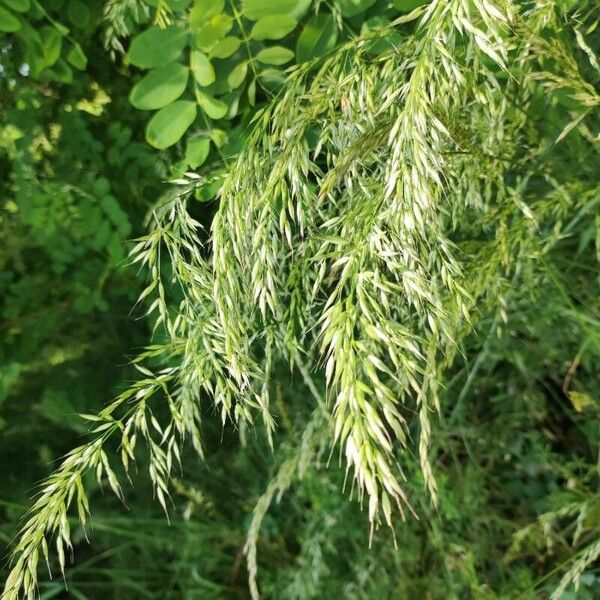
393, 195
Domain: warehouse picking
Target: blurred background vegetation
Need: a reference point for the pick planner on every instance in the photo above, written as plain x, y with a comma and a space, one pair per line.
82, 161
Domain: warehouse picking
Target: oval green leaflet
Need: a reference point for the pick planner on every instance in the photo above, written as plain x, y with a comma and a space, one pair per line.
168, 125
209, 34
160, 87
257, 9
273, 28
77, 58
237, 76
202, 68
78, 13
18, 5
8, 22
51, 45
351, 8
318, 36
157, 47
225, 47
215, 109
275, 55
196, 151
204, 10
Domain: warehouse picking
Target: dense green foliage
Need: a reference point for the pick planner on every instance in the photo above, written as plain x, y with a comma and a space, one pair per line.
373, 276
